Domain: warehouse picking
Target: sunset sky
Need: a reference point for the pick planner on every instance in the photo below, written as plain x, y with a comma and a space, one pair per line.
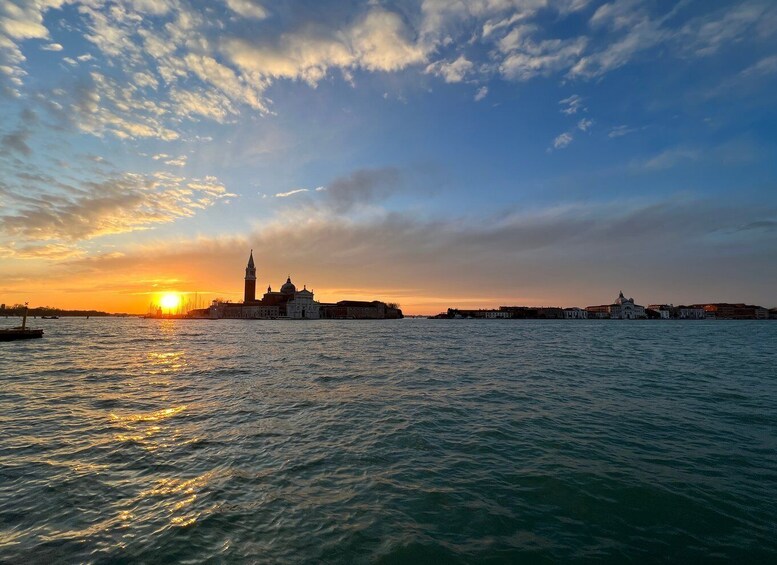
433, 153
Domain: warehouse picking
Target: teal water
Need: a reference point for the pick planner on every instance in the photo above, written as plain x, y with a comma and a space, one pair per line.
409, 441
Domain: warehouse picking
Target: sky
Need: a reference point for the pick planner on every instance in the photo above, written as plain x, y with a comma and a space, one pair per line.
434, 153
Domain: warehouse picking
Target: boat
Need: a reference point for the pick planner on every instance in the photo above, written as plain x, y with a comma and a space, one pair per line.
21, 332
50, 317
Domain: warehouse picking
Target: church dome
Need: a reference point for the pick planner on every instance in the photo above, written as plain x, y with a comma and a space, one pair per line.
288, 287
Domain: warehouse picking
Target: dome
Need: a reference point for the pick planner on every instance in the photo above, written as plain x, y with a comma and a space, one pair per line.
288, 287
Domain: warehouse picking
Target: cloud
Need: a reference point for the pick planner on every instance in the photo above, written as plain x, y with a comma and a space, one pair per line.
620, 131
526, 58
562, 141
177, 162
377, 41
481, 93
670, 158
52, 47
585, 124
522, 252
125, 203
451, 72
362, 187
290, 193
16, 142
765, 66
248, 9
706, 35
573, 104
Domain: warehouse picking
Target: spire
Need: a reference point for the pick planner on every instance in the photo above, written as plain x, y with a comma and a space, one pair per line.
250, 268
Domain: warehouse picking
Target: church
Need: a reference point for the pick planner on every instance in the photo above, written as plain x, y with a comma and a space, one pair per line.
288, 302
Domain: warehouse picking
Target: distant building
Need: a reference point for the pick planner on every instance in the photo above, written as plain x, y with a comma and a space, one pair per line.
286, 303
492, 314
534, 312
622, 309
663, 311
695, 312
360, 310
726, 311
575, 314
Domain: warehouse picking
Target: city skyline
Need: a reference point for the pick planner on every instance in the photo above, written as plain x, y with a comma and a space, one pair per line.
427, 153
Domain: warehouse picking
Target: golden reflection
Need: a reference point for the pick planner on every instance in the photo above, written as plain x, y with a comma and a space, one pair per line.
152, 417
166, 487
166, 362
181, 496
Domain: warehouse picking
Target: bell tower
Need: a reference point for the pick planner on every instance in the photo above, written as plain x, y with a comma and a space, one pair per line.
250, 285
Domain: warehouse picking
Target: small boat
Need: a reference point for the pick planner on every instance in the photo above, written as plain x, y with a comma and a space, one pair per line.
21, 332
50, 317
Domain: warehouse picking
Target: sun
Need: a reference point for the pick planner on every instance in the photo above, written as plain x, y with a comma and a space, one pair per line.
170, 300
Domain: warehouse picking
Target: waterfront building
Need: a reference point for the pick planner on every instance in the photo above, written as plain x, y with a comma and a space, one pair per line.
726, 311
493, 314
575, 314
662, 311
622, 309
290, 303
360, 310
302, 306
534, 313
695, 312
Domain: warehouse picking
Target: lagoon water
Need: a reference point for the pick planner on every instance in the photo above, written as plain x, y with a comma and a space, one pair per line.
409, 441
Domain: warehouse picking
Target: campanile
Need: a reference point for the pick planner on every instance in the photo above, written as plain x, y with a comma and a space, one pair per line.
250, 286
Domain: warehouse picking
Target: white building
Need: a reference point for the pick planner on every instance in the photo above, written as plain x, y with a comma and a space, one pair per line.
302, 306
691, 313
625, 309
622, 309
575, 314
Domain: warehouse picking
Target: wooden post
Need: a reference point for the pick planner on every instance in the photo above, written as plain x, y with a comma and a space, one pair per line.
24, 319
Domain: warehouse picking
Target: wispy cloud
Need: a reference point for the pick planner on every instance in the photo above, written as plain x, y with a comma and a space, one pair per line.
451, 71
572, 105
121, 204
585, 124
562, 141
290, 193
620, 131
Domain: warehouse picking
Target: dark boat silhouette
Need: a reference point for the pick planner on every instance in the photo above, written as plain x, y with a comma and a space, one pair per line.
21, 332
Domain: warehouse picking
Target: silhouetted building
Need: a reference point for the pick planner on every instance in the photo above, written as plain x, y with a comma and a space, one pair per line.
286, 303
622, 309
249, 294
662, 311
726, 311
360, 310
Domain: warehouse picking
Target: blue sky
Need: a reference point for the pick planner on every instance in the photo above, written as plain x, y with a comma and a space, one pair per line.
434, 153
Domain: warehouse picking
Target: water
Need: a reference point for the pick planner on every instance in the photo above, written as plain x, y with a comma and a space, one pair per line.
392, 442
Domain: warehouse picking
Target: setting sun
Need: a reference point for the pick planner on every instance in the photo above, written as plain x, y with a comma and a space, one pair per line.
170, 301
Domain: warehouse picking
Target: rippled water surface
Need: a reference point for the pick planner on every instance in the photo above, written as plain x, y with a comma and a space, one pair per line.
395, 441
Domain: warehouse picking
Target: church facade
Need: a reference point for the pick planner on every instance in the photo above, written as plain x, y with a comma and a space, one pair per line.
622, 309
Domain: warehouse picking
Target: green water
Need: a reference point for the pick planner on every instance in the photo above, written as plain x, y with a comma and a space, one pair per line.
410, 441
